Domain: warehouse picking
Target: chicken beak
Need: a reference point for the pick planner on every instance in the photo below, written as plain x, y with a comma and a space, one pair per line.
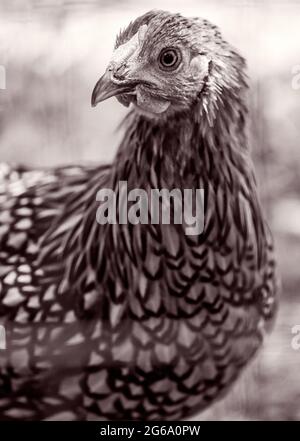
106, 88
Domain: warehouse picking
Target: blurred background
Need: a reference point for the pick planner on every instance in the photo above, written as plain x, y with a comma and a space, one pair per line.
53, 52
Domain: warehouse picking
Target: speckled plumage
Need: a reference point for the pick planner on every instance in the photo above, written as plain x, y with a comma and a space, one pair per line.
138, 321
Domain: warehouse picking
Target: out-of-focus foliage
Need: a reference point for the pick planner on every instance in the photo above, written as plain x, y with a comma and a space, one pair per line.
53, 53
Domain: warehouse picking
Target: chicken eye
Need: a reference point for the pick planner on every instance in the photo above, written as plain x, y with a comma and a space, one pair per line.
169, 59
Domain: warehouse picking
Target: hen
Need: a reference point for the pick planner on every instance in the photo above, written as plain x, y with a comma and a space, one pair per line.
123, 321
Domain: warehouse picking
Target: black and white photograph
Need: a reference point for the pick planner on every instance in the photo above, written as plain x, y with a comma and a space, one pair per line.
149, 213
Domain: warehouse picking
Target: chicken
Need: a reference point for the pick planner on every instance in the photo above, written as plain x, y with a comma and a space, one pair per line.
144, 321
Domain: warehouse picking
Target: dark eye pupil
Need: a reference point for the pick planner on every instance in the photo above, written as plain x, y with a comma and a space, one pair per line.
168, 58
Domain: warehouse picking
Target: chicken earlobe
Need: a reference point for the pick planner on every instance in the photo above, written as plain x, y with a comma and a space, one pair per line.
149, 103
199, 67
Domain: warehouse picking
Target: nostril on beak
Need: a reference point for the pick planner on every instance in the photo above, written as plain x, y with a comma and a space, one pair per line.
120, 71
122, 67
118, 76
